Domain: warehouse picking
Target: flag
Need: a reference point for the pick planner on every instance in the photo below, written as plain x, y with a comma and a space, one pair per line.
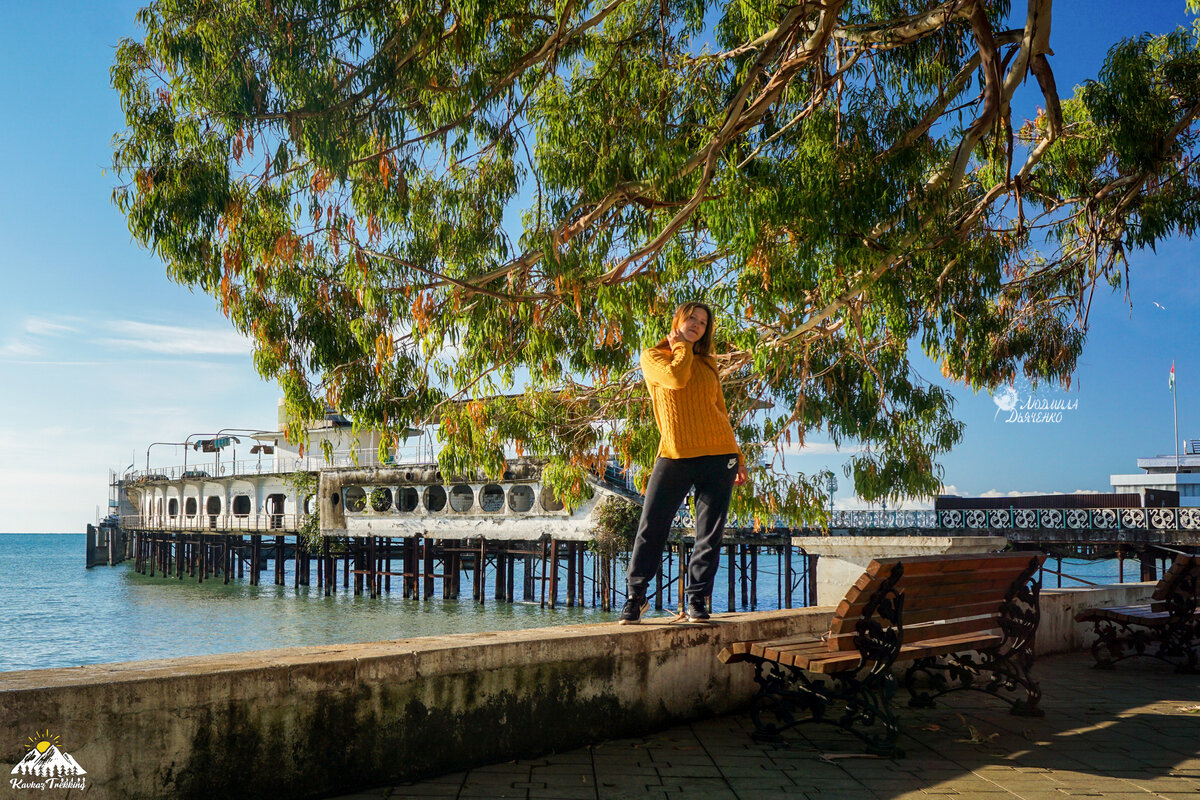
1172, 376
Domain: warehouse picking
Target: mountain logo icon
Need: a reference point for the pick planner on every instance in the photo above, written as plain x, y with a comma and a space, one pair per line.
46, 760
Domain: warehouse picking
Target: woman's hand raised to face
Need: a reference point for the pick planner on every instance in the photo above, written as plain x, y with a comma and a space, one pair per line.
674, 338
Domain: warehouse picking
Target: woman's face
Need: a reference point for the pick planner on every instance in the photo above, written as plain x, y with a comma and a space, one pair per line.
694, 326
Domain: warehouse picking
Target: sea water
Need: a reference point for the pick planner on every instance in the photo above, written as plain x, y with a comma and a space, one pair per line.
59, 614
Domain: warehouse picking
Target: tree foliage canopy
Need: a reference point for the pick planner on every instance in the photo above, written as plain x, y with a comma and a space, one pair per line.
476, 212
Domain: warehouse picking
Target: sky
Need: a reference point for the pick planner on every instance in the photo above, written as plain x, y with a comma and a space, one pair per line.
101, 355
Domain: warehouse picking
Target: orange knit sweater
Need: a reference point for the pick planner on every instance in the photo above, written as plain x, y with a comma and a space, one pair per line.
688, 405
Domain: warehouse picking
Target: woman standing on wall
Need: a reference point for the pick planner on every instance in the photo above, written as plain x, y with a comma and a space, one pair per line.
697, 449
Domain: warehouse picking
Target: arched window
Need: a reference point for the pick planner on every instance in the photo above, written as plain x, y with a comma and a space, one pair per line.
241, 506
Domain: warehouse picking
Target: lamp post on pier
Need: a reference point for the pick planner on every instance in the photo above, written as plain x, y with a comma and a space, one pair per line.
152, 444
833, 485
236, 441
186, 444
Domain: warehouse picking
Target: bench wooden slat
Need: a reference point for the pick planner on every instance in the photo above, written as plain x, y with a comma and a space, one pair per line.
1182, 565
927, 608
967, 607
792, 655
860, 594
734, 652
922, 608
931, 629
828, 664
920, 566
813, 657
1143, 615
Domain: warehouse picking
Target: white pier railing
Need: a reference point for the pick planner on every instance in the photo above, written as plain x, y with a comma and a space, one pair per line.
279, 464
223, 523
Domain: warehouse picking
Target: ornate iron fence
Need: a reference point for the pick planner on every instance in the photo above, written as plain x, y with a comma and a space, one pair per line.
1137, 519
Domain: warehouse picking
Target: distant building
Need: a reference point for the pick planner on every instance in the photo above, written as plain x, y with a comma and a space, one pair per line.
1160, 474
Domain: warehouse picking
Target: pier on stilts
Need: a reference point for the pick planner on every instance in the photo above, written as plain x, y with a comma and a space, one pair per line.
408, 530
549, 572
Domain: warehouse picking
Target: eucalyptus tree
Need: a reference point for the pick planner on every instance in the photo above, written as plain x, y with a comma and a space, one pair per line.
475, 212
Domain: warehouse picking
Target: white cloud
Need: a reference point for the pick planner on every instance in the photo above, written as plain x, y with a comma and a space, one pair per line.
19, 348
998, 493
37, 326
27, 343
856, 503
174, 339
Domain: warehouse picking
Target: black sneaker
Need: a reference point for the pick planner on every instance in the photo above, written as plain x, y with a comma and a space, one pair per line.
696, 609
634, 608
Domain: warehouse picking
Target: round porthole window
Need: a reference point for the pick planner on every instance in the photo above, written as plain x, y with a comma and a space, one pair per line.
520, 498
381, 498
356, 498
406, 499
550, 501
462, 498
491, 498
435, 498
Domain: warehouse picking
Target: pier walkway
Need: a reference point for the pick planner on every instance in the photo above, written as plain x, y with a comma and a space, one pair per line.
1130, 733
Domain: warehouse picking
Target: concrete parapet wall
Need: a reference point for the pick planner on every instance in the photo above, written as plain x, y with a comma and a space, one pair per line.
1058, 632
304, 722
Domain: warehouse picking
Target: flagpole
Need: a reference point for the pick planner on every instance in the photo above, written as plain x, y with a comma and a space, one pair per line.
1175, 403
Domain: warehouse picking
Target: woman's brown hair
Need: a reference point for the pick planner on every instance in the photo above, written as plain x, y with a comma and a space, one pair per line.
704, 346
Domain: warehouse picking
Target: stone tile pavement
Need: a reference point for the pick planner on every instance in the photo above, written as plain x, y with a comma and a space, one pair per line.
1133, 733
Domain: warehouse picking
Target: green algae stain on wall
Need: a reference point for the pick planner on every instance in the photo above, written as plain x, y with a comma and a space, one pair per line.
359, 736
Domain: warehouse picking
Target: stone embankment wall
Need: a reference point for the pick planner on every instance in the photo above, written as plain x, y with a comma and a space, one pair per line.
307, 722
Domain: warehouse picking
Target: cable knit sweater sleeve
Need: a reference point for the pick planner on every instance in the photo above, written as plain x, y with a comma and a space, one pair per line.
725, 412
688, 406
670, 368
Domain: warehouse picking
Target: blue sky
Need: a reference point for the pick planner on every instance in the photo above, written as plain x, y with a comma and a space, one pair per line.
100, 354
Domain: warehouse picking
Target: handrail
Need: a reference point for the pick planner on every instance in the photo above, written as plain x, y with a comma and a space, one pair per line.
278, 523
278, 464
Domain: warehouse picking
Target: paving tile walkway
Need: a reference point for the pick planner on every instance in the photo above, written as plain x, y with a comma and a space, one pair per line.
1133, 733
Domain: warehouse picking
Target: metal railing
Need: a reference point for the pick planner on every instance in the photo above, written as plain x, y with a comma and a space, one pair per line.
223, 523
278, 463
1137, 519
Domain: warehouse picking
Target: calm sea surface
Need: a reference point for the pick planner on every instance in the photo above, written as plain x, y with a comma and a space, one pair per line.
60, 614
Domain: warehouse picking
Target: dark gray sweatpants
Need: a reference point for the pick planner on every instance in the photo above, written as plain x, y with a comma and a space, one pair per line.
672, 478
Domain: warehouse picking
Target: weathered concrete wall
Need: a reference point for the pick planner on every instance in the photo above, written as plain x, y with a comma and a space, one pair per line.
1058, 632
306, 721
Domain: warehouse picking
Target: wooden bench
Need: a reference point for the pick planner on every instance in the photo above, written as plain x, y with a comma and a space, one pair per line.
1166, 628
963, 622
